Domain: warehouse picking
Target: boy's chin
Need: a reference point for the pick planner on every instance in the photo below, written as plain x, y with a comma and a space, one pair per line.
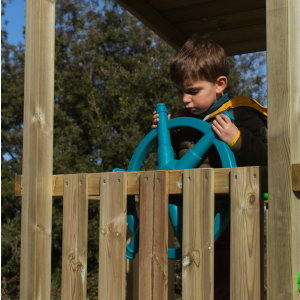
196, 111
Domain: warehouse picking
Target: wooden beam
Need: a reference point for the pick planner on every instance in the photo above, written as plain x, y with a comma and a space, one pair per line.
37, 151
283, 48
133, 184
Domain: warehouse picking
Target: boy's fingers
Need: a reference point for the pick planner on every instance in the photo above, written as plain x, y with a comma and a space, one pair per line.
216, 130
217, 125
225, 118
220, 120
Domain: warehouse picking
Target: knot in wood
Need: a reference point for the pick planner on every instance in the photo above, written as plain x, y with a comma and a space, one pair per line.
76, 266
252, 199
192, 257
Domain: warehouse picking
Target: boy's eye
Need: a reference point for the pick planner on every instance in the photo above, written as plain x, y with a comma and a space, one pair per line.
192, 91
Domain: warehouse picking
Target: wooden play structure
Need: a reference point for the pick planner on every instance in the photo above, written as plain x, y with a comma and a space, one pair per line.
240, 27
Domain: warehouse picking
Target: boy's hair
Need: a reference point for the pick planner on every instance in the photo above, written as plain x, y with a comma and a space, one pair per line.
198, 58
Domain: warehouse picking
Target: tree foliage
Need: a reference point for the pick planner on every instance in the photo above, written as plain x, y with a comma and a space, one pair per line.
110, 71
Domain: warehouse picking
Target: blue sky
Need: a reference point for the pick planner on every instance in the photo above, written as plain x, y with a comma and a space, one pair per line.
15, 15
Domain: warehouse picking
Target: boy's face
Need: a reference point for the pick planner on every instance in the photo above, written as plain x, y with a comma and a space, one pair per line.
198, 96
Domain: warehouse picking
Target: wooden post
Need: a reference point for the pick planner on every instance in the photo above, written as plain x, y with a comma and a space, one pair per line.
283, 56
37, 151
198, 234
245, 234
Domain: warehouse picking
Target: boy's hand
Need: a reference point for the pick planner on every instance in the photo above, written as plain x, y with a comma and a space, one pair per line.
225, 128
156, 119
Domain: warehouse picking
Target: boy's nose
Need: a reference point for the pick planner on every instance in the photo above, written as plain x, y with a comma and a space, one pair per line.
186, 98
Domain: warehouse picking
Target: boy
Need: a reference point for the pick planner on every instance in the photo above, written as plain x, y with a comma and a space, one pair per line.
200, 71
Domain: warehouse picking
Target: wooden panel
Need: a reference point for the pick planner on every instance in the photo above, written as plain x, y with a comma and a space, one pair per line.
75, 230
146, 235
171, 4
198, 235
37, 151
175, 183
209, 9
245, 256
239, 34
160, 236
225, 22
152, 18
166, 18
283, 44
112, 250
245, 46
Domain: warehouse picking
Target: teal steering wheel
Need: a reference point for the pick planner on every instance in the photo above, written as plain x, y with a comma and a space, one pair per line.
166, 161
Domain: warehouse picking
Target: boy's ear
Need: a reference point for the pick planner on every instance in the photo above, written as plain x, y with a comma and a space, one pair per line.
221, 84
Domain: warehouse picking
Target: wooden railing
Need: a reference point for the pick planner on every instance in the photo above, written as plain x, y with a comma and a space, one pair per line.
198, 186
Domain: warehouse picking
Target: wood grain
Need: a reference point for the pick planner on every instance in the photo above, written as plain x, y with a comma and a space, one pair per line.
75, 230
198, 235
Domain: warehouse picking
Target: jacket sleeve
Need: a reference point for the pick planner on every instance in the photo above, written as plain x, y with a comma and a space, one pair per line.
252, 148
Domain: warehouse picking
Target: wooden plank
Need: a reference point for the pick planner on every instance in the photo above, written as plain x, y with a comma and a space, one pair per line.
37, 151
283, 47
146, 235
160, 236
75, 230
198, 234
175, 183
246, 225
113, 224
